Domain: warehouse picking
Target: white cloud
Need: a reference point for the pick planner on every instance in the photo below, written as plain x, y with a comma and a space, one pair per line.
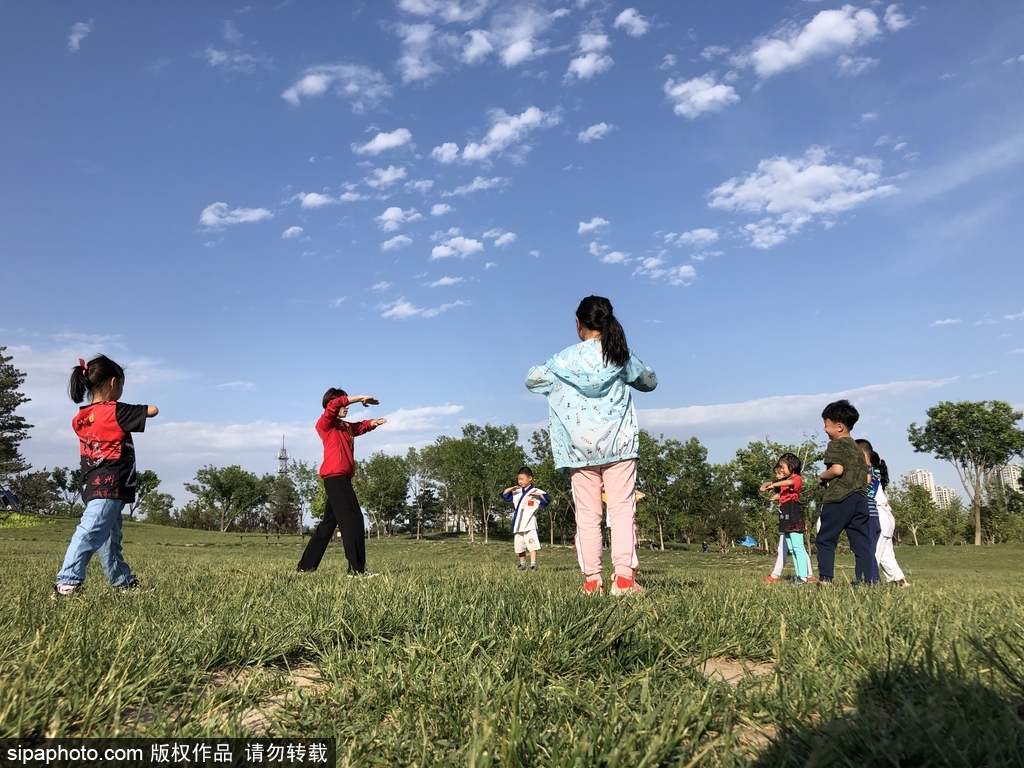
588, 65
794, 411
505, 239
594, 132
895, 20
478, 184
383, 142
394, 217
231, 61
713, 51
79, 32
589, 226
402, 309
398, 241
339, 301
439, 235
448, 11
445, 281
382, 178
828, 33
440, 209
516, 33
231, 33
899, 146
458, 246
793, 191
478, 47
315, 199
668, 62
868, 116
853, 66
362, 86
699, 95
382, 286
615, 257
291, 232
446, 153
698, 237
424, 419
654, 268
948, 321
634, 24
218, 216
491, 264
506, 130
416, 62
422, 186
1016, 316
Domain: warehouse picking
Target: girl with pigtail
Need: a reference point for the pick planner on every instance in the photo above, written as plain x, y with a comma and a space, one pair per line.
595, 439
881, 515
104, 428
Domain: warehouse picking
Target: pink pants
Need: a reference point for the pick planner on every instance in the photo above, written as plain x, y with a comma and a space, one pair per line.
618, 480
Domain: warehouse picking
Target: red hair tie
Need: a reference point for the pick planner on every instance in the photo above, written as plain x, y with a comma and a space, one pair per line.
85, 367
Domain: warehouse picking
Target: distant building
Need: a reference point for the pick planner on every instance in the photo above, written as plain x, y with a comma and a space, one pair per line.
1009, 475
925, 479
945, 496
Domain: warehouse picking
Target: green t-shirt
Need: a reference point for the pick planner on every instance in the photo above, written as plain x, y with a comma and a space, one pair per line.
845, 452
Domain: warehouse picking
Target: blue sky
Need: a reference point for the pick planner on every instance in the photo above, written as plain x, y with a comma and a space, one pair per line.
248, 204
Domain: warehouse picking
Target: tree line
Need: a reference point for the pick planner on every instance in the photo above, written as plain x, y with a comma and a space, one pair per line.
453, 485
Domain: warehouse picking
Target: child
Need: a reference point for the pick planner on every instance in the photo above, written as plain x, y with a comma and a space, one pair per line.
791, 517
884, 554
104, 430
873, 484
527, 500
594, 436
342, 508
845, 504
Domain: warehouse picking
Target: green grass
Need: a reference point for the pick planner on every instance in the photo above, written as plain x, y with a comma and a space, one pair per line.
454, 657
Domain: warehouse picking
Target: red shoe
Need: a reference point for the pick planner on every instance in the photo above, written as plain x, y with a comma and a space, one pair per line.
771, 578
624, 586
594, 586
810, 579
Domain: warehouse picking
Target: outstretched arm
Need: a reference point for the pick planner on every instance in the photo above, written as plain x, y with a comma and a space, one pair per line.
640, 376
151, 411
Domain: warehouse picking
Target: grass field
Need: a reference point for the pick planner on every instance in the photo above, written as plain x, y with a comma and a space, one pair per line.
454, 657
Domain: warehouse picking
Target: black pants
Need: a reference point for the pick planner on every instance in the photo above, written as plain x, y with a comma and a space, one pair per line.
341, 511
851, 515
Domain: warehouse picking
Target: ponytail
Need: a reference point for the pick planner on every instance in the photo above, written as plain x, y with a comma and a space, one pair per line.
883, 471
595, 313
94, 375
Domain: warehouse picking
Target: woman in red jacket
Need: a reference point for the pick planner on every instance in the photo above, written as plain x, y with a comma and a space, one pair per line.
342, 507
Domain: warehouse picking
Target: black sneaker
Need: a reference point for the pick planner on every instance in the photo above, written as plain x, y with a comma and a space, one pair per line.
522, 566
533, 566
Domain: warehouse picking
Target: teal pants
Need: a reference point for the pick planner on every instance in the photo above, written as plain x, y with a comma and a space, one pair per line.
795, 545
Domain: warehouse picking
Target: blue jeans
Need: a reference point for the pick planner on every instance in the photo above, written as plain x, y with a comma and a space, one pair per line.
850, 515
99, 531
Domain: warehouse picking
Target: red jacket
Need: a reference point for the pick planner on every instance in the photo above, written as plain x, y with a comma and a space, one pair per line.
339, 439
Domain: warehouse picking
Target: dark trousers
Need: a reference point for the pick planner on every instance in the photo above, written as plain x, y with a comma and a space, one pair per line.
341, 511
850, 515
874, 532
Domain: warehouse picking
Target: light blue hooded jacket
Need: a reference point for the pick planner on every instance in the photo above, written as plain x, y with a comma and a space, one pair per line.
593, 420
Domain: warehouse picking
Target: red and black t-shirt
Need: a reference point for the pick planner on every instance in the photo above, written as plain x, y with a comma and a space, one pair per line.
108, 453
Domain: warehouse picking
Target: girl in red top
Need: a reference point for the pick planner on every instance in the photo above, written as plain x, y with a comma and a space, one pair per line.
342, 508
104, 430
788, 483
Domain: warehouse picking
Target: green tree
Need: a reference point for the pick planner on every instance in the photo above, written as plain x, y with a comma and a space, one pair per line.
309, 485
656, 468
693, 490
382, 483
146, 482
914, 510
13, 428
199, 515
284, 505
158, 508
494, 457
561, 510
36, 493
68, 485
976, 438
231, 493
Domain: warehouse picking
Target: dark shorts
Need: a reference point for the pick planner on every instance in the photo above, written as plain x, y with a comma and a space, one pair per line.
791, 518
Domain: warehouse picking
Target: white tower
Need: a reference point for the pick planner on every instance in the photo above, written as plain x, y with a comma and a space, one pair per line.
282, 459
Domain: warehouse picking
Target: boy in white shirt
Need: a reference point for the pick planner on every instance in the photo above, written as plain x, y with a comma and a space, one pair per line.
527, 500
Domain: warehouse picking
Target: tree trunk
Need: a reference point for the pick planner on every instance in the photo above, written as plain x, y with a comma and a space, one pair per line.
483, 510
471, 519
913, 530
661, 536
977, 519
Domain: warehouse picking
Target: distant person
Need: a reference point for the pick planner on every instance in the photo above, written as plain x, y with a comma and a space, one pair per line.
704, 547
104, 430
789, 483
342, 507
845, 504
874, 526
594, 436
885, 555
527, 501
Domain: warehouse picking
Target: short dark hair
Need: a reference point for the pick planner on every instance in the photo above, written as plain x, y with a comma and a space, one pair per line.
525, 471
333, 394
841, 412
792, 461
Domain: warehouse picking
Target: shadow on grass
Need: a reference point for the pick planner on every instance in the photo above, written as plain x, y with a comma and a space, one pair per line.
922, 714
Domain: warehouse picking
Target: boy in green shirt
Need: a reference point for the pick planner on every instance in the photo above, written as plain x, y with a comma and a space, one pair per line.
845, 504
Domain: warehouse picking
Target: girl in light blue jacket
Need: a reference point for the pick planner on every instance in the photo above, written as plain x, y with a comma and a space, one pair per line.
594, 436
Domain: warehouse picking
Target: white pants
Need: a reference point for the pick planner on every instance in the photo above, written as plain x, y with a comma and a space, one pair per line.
884, 553
780, 561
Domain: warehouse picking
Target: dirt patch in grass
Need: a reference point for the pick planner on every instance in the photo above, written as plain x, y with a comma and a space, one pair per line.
257, 719
731, 671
